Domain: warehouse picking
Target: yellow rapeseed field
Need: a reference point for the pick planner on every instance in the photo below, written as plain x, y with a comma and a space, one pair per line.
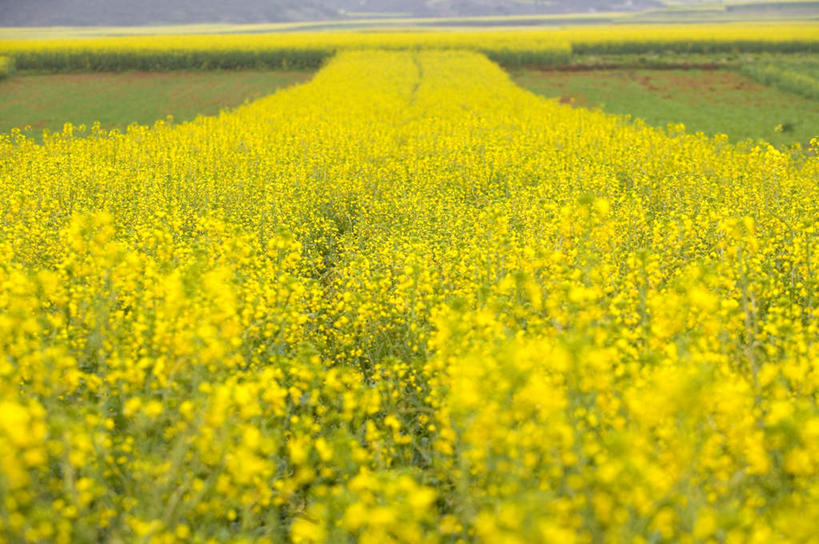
407, 302
311, 49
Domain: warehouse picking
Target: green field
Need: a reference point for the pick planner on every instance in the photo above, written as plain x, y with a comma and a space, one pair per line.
711, 101
48, 101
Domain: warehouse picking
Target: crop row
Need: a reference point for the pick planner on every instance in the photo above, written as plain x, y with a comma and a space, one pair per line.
788, 78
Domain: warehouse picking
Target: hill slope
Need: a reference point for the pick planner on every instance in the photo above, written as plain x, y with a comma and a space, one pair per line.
146, 12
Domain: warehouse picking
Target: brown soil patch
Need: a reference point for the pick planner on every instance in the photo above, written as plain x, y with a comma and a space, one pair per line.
712, 86
614, 66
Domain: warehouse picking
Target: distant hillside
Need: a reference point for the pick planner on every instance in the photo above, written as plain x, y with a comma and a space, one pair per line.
147, 12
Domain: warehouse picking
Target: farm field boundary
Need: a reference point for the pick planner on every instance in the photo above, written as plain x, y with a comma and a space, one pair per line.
6, 67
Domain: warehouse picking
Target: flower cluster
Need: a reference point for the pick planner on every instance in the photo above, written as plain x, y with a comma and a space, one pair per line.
407, 302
